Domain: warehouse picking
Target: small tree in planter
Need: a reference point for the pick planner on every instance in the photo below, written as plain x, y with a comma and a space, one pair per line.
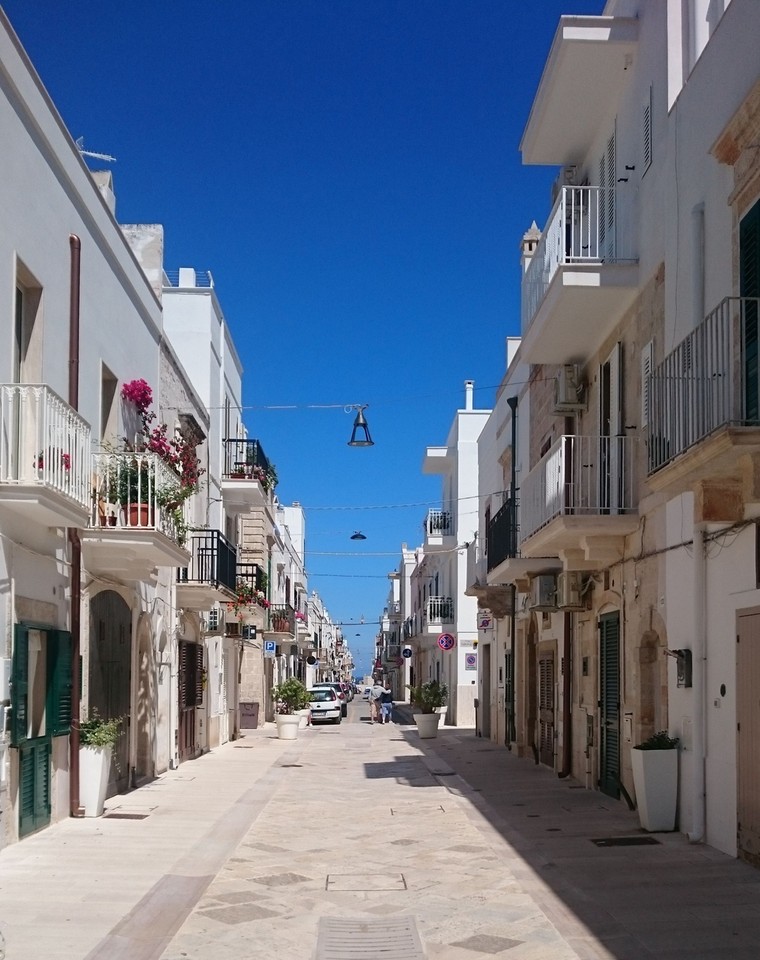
429, 697
654, 763
97, 737
289, 696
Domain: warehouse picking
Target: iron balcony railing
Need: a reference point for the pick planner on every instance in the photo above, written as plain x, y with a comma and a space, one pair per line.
137, 490
584, 227
439, 610
203, 278
439, 523
213, 560
708, 381
253, 575
501, 544
246, 460
578, 476
44, 442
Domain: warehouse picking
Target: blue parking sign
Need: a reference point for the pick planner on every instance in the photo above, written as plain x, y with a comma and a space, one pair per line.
269, 648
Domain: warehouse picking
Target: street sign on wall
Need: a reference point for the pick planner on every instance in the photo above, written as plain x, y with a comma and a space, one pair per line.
471, 661
269, 648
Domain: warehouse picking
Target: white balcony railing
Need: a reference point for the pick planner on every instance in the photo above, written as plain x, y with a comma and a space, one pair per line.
44, 442
583, 228
578, 476
137, 490
702, 385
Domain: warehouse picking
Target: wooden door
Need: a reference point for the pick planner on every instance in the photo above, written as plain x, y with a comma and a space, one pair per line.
110, 675
546, 707
748, 736
190, 697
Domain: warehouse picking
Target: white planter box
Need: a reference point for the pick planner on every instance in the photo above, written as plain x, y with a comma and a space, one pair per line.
94, 767
427, 725
655, 779
287, 726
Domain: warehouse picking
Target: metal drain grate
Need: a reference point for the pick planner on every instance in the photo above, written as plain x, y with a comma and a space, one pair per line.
126, 816
626, 842
392, 939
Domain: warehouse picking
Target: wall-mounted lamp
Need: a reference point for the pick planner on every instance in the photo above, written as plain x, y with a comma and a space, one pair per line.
360, 434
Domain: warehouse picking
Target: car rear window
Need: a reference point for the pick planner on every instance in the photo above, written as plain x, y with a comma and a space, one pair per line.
320, 696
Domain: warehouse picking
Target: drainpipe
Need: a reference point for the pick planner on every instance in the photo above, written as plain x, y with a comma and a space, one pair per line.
697, 832
511, 732
567, 720
73, 536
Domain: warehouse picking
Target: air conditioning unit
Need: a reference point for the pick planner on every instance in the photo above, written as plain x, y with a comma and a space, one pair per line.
569, 390
567, 177
570, 592
543, 592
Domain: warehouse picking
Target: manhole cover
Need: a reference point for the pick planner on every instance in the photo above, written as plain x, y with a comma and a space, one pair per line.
625, 842
391, 938
364, 881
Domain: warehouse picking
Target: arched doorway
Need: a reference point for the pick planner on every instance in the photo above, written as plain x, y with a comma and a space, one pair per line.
110, 673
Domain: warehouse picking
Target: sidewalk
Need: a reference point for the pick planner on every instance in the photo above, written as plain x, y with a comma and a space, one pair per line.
449, 848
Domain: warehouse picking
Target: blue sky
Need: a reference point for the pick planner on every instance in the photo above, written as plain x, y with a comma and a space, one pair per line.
349, 172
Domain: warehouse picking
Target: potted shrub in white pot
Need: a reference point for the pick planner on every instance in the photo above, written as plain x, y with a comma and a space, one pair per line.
289, 696
97, 737
428, 697
655, 780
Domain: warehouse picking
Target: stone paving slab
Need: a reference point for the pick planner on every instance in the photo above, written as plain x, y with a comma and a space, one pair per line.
244, 851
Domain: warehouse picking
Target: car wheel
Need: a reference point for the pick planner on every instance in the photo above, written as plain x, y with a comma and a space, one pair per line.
337, 719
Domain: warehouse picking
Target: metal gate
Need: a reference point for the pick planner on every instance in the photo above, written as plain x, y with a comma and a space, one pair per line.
609, 704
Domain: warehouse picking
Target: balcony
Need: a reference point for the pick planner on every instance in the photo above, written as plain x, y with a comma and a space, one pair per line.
439, 530
248, 478
584, 78
134, 525
577, 503
439, 613
282, 623
702, 418
210, 577
44, 457
496, 597
582, 276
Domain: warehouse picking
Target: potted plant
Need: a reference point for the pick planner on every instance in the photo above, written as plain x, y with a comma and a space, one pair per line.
428, 697
289, 696
97, 737
655, 779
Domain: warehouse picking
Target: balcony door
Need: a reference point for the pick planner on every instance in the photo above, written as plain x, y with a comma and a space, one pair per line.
610, 476
749, 286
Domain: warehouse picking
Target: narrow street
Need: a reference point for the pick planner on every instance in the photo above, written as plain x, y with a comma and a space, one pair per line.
361, 841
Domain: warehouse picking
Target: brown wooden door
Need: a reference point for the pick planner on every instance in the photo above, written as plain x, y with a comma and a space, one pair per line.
748, 736
546, 707
190, 696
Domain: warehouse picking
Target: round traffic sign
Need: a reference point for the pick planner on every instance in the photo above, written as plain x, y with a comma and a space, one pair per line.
447, 641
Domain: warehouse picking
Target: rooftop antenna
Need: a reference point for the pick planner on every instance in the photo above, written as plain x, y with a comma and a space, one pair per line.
89, 153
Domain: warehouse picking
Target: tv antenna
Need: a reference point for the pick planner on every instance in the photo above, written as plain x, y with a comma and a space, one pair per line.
89, 153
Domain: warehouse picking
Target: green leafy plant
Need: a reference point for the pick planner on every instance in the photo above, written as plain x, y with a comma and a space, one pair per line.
96, 731
429, 696
290, 695
658, 741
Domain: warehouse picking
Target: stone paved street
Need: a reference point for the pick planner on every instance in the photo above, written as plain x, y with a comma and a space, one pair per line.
244, 852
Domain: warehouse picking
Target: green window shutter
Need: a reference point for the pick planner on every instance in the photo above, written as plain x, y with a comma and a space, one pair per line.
749, 286
20, 686
59, 706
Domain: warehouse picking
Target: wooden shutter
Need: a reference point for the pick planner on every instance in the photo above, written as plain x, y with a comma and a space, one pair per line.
646, 372
20, 686
59, 706
182, 673
749, 286
609, 698
647, 131
198, 674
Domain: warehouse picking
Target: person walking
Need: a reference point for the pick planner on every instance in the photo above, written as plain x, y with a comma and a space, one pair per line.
375, 702
386, 706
